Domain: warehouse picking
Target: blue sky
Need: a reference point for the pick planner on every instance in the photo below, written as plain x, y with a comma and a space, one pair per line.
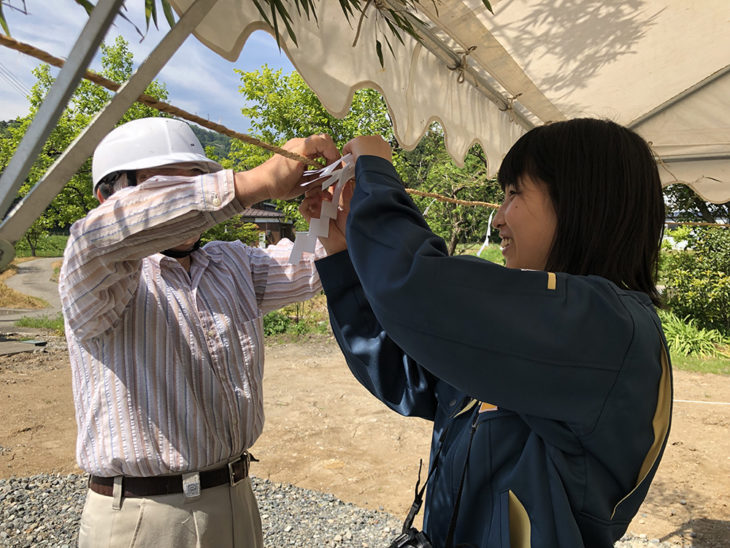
54, 25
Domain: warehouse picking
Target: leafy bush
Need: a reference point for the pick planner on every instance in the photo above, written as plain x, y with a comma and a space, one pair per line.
697, 279
276, 323
297, 319
685, 338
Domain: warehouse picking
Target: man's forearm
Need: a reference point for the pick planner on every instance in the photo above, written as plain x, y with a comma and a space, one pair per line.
250, 188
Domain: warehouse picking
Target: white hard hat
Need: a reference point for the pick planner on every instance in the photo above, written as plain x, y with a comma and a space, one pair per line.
147, 143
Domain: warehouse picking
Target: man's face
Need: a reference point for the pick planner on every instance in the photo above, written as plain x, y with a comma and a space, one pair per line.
179, 171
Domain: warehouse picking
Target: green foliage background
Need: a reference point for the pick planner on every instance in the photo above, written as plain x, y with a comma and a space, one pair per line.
281, 106
697, 279
231, 230
76, 199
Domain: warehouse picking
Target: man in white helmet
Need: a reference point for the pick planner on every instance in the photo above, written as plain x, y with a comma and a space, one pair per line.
165, 338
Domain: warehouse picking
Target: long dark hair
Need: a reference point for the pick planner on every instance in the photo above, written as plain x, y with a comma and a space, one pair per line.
605, 187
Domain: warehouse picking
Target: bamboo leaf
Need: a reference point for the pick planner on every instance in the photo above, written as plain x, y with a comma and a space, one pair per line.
287, 22
276, 22
347, 5
307, 6
123, 16
150, 10
390, 47
299, 6
3, 23
435, 7
313, 10
405, 24
88, 6
262, 12
379, 51
278, 10
169, 15
394, 29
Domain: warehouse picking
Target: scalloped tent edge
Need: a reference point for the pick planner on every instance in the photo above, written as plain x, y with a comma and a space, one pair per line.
659, 67
639, 67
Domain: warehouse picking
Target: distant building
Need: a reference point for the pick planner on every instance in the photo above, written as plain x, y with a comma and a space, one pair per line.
270, 221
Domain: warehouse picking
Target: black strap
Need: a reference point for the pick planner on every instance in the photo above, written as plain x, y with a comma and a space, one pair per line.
418, 499
455, 513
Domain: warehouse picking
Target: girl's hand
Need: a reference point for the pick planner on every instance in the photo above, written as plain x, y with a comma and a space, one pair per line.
371, 145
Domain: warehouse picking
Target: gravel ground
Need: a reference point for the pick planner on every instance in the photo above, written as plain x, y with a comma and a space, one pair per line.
44, 510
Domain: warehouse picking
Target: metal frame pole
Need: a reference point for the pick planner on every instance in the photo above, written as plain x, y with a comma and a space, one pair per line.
55, 102
33, 204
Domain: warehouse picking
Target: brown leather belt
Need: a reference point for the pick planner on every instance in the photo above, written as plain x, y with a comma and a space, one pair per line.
152, 486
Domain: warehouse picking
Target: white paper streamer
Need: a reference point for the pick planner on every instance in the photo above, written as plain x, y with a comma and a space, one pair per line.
337, 173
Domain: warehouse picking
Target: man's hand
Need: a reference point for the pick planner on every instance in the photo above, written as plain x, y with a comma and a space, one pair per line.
312, 205
279, 177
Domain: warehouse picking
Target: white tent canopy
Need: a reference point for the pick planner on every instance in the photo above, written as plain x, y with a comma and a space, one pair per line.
658, 66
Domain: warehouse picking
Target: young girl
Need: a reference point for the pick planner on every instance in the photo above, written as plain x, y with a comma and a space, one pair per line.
547, 381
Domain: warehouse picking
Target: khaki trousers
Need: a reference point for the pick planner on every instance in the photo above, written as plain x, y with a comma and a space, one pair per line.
221, 517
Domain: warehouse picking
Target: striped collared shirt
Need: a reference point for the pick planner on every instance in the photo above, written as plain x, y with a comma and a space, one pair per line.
167, 366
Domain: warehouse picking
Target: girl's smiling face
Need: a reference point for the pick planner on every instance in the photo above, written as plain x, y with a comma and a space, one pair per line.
526, 221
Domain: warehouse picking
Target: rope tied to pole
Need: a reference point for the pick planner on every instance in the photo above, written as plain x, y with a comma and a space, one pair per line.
462, 63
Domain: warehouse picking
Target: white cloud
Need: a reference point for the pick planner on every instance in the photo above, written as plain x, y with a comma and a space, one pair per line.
198, 80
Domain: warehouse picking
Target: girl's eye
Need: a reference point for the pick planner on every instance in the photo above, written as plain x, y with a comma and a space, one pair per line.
512, 192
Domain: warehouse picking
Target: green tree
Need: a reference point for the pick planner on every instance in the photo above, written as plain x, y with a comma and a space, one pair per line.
697, 278
231, 230
429, 168
281, 107
688, 206
75, 199
214, 143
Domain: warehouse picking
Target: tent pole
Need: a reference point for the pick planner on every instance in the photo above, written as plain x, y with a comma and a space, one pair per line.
679, 97
55, 102
34, 203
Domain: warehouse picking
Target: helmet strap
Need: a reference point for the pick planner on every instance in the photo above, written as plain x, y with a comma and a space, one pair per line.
181, 254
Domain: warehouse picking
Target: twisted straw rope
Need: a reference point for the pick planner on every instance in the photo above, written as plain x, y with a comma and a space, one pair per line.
451, 200
153, 102
689, 223
180, 113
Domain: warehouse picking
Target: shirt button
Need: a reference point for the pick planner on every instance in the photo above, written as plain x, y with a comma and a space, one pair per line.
211, 333
216, 201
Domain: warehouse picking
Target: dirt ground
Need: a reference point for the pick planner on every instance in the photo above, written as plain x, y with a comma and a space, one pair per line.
325, 432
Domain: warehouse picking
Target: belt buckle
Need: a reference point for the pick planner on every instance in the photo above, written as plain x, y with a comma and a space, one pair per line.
243, 461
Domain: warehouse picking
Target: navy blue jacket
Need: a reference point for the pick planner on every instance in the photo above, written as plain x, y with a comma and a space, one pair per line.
572, 383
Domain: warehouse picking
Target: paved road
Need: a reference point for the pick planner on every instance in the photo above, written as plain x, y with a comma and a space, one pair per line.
32, 278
